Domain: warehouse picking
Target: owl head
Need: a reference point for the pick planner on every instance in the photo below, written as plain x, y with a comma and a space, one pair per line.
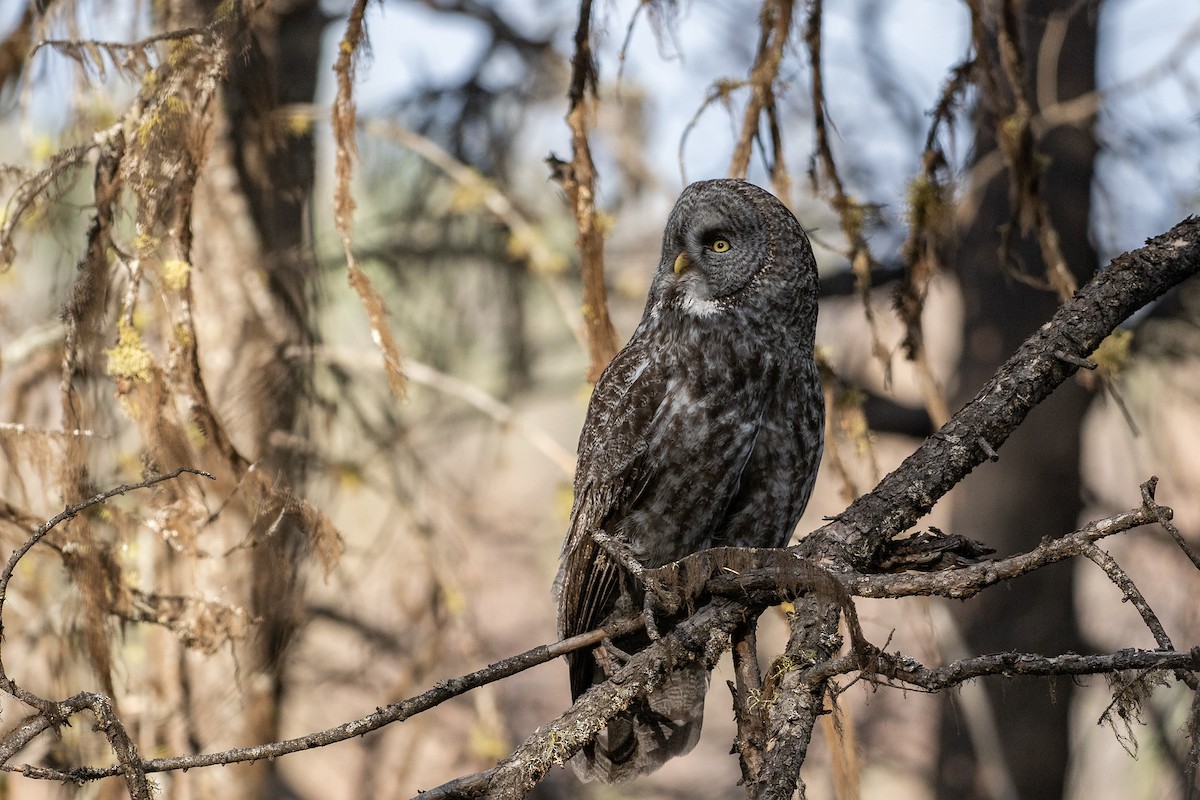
731, 247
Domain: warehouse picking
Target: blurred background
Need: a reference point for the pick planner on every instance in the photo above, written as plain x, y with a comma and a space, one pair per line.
175, 293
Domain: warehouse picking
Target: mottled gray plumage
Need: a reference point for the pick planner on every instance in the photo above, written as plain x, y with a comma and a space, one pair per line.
705, 430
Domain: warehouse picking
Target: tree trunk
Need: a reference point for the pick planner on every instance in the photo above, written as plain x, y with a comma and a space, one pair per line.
1033, 490
255, 277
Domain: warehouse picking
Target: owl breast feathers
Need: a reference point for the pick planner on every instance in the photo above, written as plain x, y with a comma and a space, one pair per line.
705, 430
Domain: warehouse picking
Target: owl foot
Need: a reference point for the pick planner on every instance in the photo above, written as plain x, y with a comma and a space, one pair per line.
610, 657
648, 616
653, 594
620, 552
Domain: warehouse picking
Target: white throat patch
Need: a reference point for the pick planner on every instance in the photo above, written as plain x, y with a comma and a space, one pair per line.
699, 306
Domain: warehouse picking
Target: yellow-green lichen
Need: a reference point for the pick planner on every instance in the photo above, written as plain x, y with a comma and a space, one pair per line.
175, 273
129, 359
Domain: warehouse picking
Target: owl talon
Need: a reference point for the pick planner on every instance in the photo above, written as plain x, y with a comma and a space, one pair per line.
620, 552
648, 614
654, 593
610, 657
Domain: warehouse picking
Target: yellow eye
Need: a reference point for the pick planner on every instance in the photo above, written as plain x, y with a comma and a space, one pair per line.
720, 245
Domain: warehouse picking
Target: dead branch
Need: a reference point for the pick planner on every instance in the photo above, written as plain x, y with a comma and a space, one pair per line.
775, 20
395, 712
916, 675
578, 180
54, 715
1129, 282
747, 691
344, 128
968, 581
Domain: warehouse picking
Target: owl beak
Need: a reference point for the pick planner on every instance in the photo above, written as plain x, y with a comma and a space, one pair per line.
681, 262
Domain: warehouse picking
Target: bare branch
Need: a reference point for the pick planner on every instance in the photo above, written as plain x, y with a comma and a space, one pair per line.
1163, 517
71, 511
395, 712
913, 674
856, 537
578, 180
1129, 282
968, 581
775, 21
344, 128
747, 692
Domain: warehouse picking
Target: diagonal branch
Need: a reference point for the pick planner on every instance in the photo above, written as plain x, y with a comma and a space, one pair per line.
857, 536
395, 712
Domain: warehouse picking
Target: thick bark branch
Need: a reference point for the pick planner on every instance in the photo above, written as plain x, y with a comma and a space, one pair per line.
857, 536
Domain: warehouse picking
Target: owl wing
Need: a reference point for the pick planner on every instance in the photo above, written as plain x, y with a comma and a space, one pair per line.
611, 474
658, 437
590, 589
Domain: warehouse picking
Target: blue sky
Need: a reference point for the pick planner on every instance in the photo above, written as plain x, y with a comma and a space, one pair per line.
1143, 185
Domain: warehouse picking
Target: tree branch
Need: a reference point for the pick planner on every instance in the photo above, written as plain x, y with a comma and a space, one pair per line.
578, 181
395, 712
51, 714
856, 536
856, 539
915, 675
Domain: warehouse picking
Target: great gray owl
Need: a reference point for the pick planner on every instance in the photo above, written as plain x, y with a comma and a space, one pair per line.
705, 430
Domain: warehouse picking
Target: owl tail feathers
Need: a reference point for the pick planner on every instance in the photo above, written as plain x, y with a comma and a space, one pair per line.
661, 726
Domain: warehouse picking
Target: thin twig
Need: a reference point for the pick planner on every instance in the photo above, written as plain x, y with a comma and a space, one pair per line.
579, 183
1134, 596
394, 712
721, 89
775, 20
1163, 517
53, 714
